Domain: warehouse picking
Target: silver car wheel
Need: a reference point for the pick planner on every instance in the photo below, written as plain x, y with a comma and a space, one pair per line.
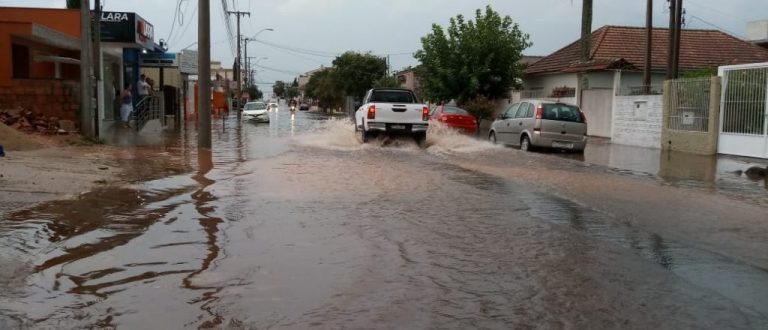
525, 145
492, 138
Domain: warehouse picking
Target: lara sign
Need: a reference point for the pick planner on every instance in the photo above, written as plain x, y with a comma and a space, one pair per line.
114, 17
127, 28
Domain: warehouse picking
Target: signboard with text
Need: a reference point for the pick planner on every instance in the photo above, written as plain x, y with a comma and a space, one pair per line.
121, 27
188, 62
159, 60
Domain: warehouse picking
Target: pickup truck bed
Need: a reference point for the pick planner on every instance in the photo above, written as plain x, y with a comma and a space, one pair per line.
392, 112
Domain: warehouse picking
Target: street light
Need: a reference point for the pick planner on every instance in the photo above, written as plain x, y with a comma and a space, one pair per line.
245, 40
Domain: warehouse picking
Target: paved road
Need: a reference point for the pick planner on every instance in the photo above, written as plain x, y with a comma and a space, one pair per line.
297, 225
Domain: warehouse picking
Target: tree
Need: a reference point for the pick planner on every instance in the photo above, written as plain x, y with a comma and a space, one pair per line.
356, 73
480, 107
474, 58
254, 93
387, 82
324, 87
73, 4
279, 88
292, 92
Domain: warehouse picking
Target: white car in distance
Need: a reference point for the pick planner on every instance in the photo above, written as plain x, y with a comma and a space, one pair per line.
256, 112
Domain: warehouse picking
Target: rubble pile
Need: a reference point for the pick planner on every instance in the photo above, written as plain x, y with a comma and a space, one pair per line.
30, 122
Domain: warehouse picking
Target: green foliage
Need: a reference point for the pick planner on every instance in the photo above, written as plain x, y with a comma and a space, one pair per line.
73, 4
279, 88
295, 82
356, 73
387, 82
473, 58
325, 88
700, 73
254, 93
292, 92
481, 107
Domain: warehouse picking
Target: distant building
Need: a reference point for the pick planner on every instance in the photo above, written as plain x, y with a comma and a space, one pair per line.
757, 33
304, 78
409, 79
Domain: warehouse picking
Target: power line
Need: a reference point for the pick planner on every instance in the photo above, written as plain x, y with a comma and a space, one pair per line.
717, 27
184, 32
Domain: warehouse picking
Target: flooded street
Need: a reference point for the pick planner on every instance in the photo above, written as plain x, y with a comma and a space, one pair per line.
295, 224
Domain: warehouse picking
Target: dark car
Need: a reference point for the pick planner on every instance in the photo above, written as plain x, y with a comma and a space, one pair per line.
304, 107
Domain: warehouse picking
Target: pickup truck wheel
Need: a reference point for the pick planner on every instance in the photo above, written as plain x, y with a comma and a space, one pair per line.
364, 136
420, 138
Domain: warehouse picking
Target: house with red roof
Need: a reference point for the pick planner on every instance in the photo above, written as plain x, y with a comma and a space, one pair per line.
616, 63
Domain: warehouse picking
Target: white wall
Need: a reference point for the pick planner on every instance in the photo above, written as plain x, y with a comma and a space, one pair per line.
633, 126
600, 80
550, 81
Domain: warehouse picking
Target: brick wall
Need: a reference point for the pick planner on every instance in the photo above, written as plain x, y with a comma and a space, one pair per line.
57, 98
637, 120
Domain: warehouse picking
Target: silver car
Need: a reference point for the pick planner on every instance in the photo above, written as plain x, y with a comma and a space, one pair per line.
538, 123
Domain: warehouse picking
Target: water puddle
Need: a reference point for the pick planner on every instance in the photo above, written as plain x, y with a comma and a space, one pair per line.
742, 283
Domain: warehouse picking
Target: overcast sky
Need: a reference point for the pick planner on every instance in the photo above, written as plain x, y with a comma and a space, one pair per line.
317, 29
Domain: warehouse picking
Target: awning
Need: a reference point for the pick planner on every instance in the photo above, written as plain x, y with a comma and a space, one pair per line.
44, 35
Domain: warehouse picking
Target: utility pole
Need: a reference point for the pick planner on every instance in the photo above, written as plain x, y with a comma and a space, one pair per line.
671, 34
239, 61
648, 45
86, 104
98, 66
204, 69
245, 51
586, 30
678, 40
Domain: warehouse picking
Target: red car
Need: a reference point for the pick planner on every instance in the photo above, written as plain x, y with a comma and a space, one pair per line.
455, 117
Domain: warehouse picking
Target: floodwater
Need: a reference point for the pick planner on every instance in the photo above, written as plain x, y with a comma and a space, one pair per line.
295, 225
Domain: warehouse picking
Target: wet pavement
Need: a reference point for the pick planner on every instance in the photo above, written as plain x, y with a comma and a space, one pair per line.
295, 225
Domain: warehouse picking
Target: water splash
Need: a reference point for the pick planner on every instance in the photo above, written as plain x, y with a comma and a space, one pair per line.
339, 134
444, 140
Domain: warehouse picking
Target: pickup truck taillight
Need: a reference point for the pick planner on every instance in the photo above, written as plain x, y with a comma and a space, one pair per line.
425, 113
372, 111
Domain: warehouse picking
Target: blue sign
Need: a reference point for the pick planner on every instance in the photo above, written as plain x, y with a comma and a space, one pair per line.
159, 60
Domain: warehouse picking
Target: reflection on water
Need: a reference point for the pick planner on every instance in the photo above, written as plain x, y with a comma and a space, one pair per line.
712, 173
263, 226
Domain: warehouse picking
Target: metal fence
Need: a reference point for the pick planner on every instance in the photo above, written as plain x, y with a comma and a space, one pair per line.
147, 109
744, 101
689, 105
640, 90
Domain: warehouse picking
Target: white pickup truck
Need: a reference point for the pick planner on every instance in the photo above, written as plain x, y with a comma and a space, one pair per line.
392, 111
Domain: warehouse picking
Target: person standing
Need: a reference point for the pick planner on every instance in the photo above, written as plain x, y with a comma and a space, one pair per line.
143, 86
126, 107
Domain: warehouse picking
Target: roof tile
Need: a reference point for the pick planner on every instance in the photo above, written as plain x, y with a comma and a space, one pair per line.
699, 49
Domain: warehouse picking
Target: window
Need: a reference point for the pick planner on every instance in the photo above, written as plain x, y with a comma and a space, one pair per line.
255, 106
455, 111
523, 111
510, 113
531, 110
20, 55
392, 96
562, 112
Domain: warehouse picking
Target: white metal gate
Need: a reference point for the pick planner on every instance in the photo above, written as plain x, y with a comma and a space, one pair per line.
744, 110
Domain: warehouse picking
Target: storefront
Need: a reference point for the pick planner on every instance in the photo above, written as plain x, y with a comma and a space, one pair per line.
125, 37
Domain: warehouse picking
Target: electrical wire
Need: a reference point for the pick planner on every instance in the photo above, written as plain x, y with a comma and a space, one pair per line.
717, 27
